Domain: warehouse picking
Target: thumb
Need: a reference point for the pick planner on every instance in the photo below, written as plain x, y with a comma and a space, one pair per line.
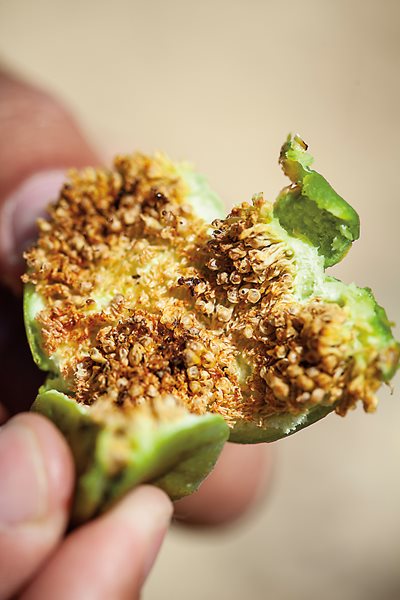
111, 556
39, 141
36, 475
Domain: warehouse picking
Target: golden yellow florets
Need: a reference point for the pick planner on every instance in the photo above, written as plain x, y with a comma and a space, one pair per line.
142, 302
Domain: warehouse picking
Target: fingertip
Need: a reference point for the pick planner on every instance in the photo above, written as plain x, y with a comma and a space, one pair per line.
147, 510
111, 556
148, 498
240, 479
36, 475
19, 212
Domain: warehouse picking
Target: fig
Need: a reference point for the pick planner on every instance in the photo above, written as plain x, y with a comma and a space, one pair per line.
167, 328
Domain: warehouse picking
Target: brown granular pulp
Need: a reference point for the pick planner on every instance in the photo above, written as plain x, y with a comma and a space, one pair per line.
143, 302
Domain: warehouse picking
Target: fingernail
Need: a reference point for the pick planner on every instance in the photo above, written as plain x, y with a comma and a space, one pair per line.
23, 478
150, 512
18, 215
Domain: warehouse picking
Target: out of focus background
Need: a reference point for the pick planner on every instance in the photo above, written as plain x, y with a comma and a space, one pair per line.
222, 83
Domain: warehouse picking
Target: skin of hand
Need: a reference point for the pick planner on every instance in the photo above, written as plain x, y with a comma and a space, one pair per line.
39, 141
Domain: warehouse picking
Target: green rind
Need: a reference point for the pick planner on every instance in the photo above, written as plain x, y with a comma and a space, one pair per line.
81, 433
32, 328
245, 432
302, 218
179, 457
368, 320
311, 209
174, 456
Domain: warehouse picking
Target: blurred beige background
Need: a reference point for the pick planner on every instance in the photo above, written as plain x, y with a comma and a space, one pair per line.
221, 83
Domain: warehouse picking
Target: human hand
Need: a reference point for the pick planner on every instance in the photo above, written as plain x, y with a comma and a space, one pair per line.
109, 557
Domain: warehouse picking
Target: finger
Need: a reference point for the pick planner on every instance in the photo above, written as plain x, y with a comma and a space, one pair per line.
241, 476
39, 141
36, 475
110, 557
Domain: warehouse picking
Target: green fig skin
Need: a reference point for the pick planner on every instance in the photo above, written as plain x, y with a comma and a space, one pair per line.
245, 432
174, 456
311, 209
